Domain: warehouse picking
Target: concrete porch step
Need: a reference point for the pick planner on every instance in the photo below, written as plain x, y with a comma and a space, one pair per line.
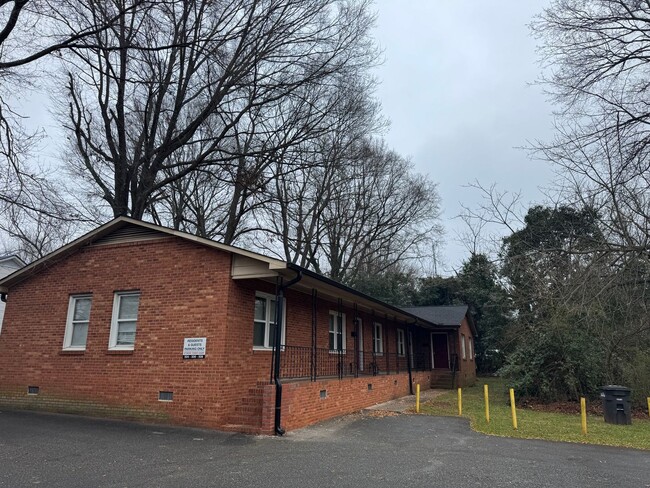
442, 379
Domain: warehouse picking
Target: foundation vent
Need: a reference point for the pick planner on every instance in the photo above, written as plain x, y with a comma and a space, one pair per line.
166, 396
33, 390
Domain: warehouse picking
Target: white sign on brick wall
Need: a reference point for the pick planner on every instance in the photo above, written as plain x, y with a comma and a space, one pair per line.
194, 347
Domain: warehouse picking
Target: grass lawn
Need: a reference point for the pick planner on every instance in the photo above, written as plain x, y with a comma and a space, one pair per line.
533, 424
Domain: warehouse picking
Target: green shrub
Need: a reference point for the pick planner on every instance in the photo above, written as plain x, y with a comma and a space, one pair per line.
555, 364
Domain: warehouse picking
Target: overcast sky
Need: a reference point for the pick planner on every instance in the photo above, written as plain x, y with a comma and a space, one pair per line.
455, 84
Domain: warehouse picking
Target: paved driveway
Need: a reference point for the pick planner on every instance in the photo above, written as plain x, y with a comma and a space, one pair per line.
356, 451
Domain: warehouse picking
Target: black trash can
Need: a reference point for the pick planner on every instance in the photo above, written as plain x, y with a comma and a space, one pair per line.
617, 404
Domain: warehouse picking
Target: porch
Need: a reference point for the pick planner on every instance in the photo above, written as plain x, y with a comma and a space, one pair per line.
424, 351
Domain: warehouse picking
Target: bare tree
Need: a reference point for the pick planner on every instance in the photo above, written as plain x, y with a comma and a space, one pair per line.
136, 111
381, 213
231, 198
362, 210
31, 30
304, 188
599, 53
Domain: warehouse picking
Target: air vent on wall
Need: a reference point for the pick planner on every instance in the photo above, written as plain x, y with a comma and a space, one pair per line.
130, 233
33, 390
165, 396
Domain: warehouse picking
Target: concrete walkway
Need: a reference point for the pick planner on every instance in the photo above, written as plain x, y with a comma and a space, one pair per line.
401, 405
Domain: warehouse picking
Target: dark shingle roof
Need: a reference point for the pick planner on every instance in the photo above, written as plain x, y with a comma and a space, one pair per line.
447, 315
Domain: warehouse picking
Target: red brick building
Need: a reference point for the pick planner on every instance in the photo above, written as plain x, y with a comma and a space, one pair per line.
142, 322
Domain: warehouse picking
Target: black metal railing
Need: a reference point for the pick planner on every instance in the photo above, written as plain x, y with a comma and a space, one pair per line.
312, 363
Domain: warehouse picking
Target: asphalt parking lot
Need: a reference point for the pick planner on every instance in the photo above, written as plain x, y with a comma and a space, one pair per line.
355, 451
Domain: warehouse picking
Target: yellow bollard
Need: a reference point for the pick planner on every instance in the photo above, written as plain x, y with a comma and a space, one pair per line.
460, 402
648, 406
417, 398
487, 403
514, 410
583, 414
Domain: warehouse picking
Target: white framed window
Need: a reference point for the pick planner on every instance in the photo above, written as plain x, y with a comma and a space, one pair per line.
462, 346
401, 345
125, 321
76, 326
337, 331
471, 347
264, 326
377, 339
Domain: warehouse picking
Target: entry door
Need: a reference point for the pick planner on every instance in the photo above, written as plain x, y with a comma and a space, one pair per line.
360, 339
439, 351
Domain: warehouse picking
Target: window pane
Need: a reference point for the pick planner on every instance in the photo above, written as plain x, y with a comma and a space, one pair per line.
82, 309
272, 312
272, 329
79, 334
258, 334
129, 307
331, 323
126, 333
260, 308
331, 340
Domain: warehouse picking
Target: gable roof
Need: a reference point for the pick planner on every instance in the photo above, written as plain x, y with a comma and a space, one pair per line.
451, 315
119, 230
125, 229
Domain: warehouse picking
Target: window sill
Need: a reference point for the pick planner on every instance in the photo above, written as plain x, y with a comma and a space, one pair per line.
265, 349
119, 352
72, 352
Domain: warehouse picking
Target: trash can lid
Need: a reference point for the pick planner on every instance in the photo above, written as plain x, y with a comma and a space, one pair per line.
615, 387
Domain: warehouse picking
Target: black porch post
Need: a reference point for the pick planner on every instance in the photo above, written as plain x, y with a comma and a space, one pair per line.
314, 313
385, 342
278, 288
356, 341
277, 346
409, 333
340, 345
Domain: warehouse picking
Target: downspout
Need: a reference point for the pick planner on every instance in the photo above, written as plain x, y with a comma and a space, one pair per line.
279, 306
3, 297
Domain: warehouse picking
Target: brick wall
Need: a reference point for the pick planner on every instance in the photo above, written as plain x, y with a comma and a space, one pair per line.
185, 291
467, 366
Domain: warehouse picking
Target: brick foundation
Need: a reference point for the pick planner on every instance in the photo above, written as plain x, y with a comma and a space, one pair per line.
302, 404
